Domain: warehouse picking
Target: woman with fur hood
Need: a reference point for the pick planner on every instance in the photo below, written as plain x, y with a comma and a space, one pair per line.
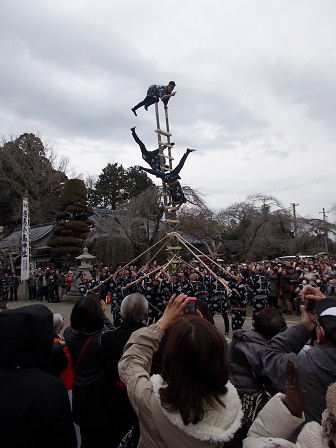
192, 403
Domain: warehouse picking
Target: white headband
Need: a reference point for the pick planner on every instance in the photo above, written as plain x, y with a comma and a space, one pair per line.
329, 312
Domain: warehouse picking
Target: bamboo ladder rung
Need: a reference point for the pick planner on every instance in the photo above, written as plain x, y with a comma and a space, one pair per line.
167, 157
166, 145
165, 133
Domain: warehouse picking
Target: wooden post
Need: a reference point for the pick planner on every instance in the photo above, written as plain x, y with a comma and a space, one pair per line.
170, 211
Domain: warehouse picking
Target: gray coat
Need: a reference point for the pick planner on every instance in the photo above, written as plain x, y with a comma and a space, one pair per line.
316, 365
245, 357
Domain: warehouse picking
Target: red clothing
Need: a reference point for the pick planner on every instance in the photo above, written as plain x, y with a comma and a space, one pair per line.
67, 375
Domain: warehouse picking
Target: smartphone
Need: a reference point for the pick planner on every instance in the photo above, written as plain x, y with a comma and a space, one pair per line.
191, 306
309, 305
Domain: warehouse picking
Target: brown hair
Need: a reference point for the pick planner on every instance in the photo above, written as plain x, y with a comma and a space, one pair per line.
195, 369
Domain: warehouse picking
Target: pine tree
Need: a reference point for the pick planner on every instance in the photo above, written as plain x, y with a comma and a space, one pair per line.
116, 185
73, 223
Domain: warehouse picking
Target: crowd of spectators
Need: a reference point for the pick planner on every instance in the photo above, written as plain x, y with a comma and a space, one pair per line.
159, 373
230, 287
42, 285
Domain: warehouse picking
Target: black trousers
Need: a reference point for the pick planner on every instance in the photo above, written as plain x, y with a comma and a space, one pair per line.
148, 101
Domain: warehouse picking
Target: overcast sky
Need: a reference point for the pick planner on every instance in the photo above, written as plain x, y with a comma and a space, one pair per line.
255, 82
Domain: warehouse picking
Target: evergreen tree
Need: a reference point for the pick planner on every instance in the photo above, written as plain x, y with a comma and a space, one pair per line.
116, 185
73, 223
137, 181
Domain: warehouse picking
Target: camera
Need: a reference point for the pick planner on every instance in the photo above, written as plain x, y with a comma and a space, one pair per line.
310, 305
191, 306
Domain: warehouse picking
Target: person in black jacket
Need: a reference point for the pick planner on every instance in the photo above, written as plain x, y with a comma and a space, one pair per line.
87, 322
34, 406
5, 284
245, 358
14, 286
134, 309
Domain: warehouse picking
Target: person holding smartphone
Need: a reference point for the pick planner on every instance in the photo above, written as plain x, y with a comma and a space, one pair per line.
316, 365
191, 403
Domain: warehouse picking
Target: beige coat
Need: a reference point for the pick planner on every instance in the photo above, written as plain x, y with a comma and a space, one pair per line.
160, 428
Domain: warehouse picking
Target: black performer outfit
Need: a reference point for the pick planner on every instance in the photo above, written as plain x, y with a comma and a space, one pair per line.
260, 286
171, 179
239, 301
173, 175
176, 193
153, 295
115, 286
151, 157
219, 302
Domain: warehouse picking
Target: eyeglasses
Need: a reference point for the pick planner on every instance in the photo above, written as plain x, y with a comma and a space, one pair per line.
317, 322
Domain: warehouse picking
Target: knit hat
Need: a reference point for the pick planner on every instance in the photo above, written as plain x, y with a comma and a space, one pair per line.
310, 436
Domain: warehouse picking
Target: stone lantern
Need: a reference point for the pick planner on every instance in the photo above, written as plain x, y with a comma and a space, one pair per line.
85, 260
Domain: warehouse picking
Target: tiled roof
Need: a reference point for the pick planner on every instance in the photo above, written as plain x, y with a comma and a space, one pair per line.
36, 234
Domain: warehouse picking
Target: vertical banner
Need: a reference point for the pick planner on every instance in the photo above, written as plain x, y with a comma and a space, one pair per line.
25, 255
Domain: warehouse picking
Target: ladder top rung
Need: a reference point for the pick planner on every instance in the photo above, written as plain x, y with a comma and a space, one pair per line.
176, 221
174, 248
161, 132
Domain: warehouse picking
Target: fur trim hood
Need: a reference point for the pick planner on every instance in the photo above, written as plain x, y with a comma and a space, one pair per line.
218, 426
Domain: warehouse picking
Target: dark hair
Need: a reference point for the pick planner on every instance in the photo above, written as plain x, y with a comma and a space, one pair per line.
172, 83
195, 369
205, 311
244, 274
87, 315
268, 322
328, 323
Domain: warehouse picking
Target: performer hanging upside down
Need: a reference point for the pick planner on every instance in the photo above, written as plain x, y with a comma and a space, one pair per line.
176, 193
173, 175
154, 94
151, 157
171, 179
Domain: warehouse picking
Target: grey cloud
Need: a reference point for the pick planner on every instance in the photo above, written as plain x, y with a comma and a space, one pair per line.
310, 85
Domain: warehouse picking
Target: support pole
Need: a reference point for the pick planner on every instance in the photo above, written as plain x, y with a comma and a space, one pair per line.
324, 213
166, 165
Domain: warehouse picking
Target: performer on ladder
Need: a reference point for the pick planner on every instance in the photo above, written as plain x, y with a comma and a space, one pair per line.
151, 157
173, 175
171, 179
154, 94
